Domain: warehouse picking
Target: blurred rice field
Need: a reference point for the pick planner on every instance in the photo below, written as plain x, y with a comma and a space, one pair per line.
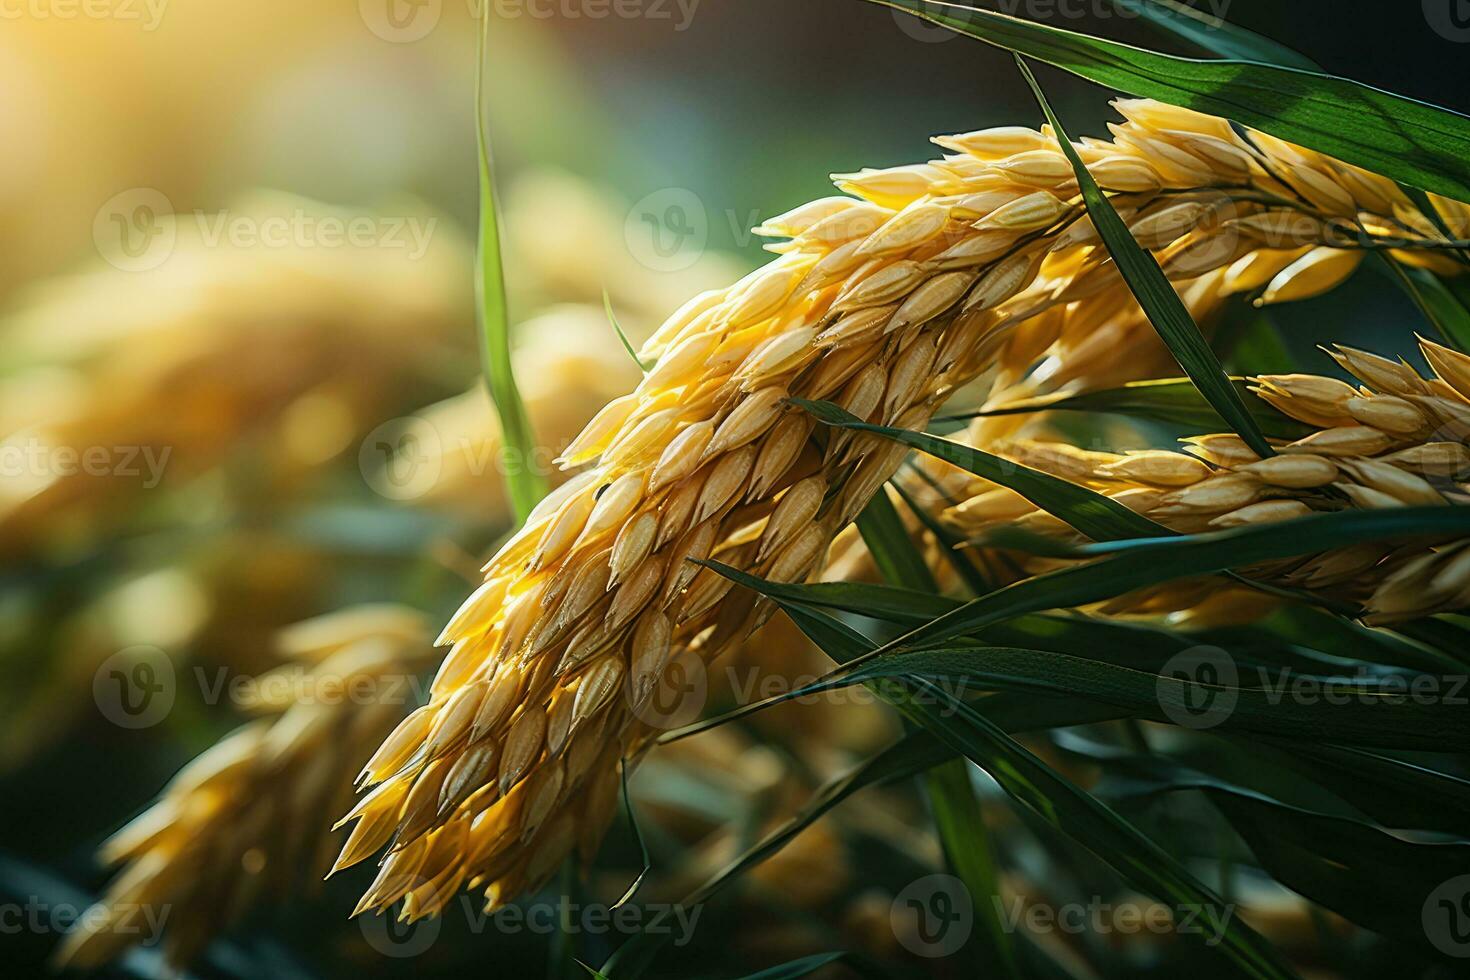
240, 388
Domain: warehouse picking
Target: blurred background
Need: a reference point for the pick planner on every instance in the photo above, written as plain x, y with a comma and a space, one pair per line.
238, 285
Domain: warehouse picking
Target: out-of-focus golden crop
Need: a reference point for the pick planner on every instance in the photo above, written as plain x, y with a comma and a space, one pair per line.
120, 382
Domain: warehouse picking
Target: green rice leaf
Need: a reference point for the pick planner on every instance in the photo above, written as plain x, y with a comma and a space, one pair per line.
1174, 401
951, 795
1033, 784
1132, 645
526, 485
803, 967
1150, 561
1155, 293
1365, 713
1255, 347
612, 319
949, 543
633, 825
1317, 532
1095, 515
1418, 143
1391, 791
1214, 35
911, 755
1370, 877
1442, 308
892, 550
1368, 712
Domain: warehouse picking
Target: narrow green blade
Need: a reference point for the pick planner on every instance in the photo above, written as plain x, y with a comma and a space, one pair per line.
526, 485
1154, 292
1214, 35
1415, 142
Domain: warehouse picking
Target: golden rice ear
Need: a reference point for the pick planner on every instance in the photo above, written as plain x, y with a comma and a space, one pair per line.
1158, 468
1379, 373
921, 280
1396, 416
221, 812
1320, 270
1389, 455
995, 143
1450, 366
1308, 398
802, 217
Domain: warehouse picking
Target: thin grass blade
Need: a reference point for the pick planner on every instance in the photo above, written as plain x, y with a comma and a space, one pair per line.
1214, 34
1154, 292
526, 485
1421, 144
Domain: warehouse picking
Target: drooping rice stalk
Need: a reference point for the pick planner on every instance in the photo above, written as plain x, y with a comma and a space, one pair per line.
1397, 440
246, 821
884, 302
